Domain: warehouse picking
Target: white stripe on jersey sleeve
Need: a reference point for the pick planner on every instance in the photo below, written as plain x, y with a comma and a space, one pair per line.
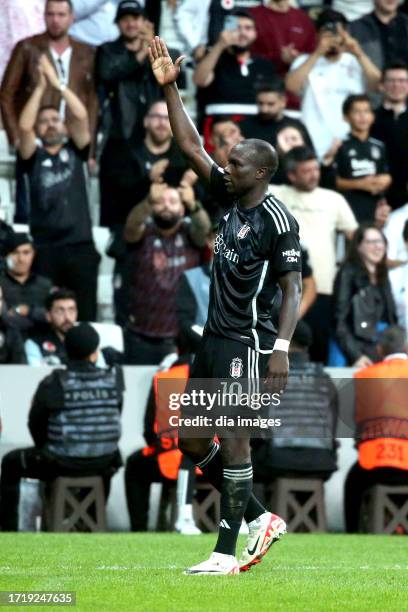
274, 217
279, 211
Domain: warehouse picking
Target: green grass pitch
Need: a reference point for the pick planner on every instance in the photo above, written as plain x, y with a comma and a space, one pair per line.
135, 572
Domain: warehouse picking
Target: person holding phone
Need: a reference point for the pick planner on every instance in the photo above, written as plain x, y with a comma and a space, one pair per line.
337, 68
230, 72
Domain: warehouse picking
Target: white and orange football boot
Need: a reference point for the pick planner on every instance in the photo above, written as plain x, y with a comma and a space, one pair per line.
217, 565
263, 532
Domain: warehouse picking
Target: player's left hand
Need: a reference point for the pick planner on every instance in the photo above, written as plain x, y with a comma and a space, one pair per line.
277, 372
162, 65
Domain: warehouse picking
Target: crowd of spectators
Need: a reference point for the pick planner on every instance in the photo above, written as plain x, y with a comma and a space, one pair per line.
325, 82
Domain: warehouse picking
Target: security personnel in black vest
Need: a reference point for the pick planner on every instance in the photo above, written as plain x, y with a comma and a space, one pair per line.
75, 422
305, 446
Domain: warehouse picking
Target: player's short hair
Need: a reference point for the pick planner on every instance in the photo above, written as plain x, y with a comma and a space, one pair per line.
274, 85
395, 65
353, 99
297, 156
69, 2
261, 154
393, 340
330, 16
59, 294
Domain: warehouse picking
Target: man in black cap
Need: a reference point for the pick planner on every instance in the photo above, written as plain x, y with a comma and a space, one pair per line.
128, 89
24, 292
74, 421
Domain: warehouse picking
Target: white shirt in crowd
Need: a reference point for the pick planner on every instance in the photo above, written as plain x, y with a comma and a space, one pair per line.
320, 214
95, 21
353, 9
328, 85
192, 18
398, 250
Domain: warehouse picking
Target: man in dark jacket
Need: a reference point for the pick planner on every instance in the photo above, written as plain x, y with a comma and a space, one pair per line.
127, 88
11, 342
68, 442
383, 33
24, 292
305, 445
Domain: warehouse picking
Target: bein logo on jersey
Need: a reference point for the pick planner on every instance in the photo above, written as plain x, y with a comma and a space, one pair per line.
236, 367
221, 247
244, 231
291, 255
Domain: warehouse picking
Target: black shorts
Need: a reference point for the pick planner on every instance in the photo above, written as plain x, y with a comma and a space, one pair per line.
223, 358
230, 372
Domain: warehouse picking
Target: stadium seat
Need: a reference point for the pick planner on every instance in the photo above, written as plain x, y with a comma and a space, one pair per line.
385, 510
76, 504
300, 502
110, 335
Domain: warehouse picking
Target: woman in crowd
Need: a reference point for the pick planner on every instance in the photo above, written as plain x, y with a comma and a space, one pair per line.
363, 303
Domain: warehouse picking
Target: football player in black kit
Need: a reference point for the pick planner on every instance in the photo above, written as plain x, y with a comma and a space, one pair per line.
256, 251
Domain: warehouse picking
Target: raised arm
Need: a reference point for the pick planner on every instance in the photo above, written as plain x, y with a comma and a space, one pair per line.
204, 73
28, 117
296, 79
184, 130
79, 124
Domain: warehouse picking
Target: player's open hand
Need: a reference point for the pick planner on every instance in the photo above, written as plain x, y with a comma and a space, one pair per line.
162, 65
277, 372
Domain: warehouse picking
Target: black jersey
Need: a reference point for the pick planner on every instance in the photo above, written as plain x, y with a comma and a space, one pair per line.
356, 159
253, 248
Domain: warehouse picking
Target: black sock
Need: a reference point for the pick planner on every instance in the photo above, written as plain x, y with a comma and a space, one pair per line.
235, 493
211, 466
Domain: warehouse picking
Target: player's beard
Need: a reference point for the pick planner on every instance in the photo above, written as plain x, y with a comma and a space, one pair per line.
166, 223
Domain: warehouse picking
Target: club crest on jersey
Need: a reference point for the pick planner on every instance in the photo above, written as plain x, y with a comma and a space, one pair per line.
244, 231
236, 367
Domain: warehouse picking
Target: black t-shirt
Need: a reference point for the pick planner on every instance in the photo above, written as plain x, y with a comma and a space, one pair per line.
256, 127
253, 248
393, 38
144, 160
235, 83
356, 159
393, 131
58, 197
